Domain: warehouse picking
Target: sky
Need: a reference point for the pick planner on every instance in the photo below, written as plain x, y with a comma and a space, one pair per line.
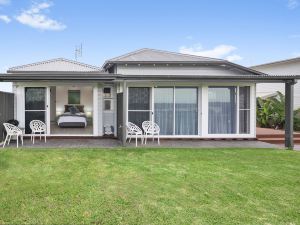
245, 32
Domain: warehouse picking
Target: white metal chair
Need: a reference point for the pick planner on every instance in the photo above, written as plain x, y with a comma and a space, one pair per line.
37, 127
12, 130
134, 130
151, 129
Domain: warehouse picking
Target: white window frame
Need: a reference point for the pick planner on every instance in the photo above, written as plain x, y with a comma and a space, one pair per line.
202, 106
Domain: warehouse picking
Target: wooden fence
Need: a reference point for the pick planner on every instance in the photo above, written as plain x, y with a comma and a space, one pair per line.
6, 109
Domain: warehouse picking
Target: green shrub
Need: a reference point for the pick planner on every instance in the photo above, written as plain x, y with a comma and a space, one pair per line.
270, 111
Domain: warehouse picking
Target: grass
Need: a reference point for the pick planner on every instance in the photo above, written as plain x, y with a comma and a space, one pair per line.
149, 186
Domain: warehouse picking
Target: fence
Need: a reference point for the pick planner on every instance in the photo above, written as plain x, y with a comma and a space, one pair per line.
6, 109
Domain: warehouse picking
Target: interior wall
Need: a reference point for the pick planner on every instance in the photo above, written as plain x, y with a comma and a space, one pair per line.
86, 98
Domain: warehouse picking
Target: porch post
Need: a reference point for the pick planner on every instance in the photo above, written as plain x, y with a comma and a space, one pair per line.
289, 114
124, 113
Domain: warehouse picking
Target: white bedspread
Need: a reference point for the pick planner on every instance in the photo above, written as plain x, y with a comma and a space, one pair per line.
71, 119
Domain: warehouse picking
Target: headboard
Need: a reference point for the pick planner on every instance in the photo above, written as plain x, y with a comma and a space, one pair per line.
79, 107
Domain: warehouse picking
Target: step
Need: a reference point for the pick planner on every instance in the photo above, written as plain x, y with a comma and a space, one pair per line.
296, 135
277, 140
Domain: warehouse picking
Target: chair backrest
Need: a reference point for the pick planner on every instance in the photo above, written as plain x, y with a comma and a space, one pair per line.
132, 128
37, 126
150, 127
12, 129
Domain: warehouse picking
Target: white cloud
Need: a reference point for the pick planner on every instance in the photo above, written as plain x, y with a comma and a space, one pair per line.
233, 58
34, 17
4, 2
292, 4
220, 51
5, 18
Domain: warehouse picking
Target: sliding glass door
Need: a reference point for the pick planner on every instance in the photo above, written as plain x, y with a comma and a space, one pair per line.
222, 110
186, 111
244, 110
139, 105
176, 110
164, 109
229, 110
35, 105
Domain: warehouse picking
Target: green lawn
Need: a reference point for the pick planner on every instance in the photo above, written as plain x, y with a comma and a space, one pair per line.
150, 186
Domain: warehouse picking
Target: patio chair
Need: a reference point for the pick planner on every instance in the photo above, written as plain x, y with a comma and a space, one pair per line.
12, 130
134, 130
151, 129
37, 127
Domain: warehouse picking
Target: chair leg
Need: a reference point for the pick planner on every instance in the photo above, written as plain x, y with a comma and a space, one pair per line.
33, 139
9, 139
40, 136
145, 139
142, 139
136, 140
158, 139
45, 138
130, 138
17, 141
22, 139
5, 141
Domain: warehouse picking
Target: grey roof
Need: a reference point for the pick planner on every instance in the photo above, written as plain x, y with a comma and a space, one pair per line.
146, 55
153, 55
55, 65
277, 62
98, 76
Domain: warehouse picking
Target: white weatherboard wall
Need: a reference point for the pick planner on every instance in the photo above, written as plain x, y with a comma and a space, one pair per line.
284, 68
176, 70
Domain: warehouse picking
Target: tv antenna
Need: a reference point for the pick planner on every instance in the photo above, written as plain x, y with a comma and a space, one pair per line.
78, 51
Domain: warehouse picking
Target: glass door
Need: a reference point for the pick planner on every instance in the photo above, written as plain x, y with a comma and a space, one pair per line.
35, 105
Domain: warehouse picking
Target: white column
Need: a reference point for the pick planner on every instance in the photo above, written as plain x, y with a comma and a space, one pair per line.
96, 113
48, 109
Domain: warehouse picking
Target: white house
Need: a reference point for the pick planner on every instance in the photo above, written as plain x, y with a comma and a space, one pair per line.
188, 96
284, 67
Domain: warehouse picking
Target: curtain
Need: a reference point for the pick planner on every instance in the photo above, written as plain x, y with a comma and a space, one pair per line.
186, 111
163, 109
222, 110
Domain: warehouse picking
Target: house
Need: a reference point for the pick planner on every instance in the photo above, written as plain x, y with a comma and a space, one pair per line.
283, 67
188, 96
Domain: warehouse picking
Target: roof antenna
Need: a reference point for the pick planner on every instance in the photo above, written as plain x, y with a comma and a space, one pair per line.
78, 51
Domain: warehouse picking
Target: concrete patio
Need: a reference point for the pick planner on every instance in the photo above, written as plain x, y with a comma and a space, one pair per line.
114, 143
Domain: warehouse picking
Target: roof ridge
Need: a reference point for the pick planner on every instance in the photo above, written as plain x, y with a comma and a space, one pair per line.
184, 54
127, 54
161, 51
278, 61
54, 60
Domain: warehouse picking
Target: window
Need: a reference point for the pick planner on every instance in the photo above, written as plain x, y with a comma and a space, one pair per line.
176, 110
74, 97
244, 110
138, 105
107, 92
107, 104
222, 110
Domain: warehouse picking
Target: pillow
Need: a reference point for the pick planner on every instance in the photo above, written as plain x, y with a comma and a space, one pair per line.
73, 110
80, 108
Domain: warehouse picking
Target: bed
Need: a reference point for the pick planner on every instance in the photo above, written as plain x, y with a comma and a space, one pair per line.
73, 117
